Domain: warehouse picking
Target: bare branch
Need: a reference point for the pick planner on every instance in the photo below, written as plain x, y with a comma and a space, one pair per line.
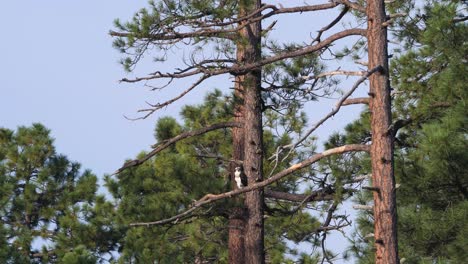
360, 178
331, 210
360, 100
395, 15
333, 73
363, 63
301, 9
460, 19
352, 5
335, 110
333, 23
166, 143
319, 195
220, 33
324, 227
161, 105
242, 69
220, 158
363, 207
209, 198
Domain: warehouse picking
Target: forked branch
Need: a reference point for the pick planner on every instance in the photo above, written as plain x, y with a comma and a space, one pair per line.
334, 110
158, 106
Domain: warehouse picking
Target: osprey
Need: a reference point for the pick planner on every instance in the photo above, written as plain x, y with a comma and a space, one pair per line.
240, 178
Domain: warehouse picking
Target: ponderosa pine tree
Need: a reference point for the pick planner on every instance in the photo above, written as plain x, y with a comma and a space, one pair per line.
227, 38
429, 82
170, 181
49, 210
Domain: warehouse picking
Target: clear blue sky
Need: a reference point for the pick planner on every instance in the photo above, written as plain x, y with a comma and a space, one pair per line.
58, 68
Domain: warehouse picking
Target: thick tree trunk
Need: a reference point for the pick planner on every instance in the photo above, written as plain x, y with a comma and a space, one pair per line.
249, 51
254, 248
236, 236
385, 218
237, 214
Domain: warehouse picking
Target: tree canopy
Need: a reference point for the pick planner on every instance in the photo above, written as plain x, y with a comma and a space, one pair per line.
172, 180
178, 201
49, 209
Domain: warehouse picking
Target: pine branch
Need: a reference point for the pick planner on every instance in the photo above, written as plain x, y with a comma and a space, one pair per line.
360, 100
333, 73
168, 102
207, 31
242, 69
209, 198
329, 115
319, 195
352, 5
166, 143
332, 24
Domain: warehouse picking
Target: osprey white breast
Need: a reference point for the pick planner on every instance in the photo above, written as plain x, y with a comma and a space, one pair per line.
238, 178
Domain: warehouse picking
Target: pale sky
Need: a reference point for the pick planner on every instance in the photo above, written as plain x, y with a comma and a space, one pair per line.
58, 68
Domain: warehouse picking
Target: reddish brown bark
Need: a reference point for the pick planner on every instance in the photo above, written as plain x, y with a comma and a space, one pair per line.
382, 139
236, 235
249, 52
237, 214
254, 245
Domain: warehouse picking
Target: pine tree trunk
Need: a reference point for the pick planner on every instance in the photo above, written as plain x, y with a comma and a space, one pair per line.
237, 214
249, 49
254, 248
383, 178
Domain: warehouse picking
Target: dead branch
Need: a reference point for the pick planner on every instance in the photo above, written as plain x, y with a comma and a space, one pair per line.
333, 73
363, 63
460, 19
363, 207
352, 5
326, 224
333, 112
332, 24
242, 69
319, 195
331, 210
220, 158
179, 35
158, 106
302, 9
360, 100
166, 143
209, 198
359, 178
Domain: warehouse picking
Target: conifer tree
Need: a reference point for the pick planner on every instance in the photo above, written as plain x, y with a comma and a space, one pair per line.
235, 35
49, 210
170, 181
428, 78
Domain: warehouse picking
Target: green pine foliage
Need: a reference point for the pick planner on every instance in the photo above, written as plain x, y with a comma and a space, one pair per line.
431, 160
49, 209
161, 17
169, 182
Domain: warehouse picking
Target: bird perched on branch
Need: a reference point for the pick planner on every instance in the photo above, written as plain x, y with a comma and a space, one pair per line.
240, 178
